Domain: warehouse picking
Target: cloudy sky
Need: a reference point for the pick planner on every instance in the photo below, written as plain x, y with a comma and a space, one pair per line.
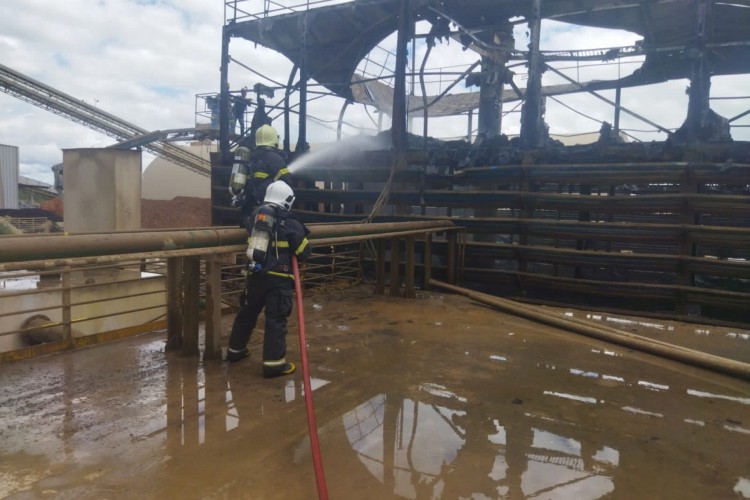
145, 61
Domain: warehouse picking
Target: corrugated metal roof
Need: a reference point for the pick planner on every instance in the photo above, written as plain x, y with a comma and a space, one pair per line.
27, 181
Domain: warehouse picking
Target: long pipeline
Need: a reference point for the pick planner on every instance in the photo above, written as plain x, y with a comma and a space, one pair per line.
682, 354
65, 246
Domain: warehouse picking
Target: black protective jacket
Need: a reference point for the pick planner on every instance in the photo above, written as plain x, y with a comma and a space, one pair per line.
289, 237
267, 165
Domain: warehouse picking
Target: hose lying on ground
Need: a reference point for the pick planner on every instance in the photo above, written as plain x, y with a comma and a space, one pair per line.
692, 357
312, 426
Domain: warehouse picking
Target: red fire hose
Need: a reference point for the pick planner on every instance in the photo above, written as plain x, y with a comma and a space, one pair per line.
312, 427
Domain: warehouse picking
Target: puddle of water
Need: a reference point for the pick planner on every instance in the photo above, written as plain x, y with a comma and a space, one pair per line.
639, 411
653, 386
574, 397
400, 415
742, 487
703, 394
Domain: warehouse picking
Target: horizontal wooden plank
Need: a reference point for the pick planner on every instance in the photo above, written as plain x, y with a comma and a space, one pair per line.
697, 295
645, 204
663, 263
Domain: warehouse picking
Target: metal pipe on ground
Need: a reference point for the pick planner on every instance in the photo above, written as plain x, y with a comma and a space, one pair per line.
682, 354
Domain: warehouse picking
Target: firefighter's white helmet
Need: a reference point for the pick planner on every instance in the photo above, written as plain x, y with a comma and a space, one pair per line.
279, 193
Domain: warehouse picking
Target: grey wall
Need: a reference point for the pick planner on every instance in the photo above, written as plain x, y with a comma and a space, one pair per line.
102, 189
8, 176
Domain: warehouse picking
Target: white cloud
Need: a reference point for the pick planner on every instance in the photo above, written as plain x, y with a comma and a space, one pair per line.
145, 61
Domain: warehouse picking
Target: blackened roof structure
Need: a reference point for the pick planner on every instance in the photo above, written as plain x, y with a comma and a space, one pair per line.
339, 36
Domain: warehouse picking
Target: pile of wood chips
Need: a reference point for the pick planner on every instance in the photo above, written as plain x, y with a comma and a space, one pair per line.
179, 212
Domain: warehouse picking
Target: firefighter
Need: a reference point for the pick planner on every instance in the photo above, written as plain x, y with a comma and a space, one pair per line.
239, 107
276, 232
268, 165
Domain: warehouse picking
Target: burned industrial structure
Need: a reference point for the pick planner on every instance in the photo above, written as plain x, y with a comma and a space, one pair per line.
658, 226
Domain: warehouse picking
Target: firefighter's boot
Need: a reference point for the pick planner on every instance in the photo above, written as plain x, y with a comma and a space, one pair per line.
276, 369
233, 355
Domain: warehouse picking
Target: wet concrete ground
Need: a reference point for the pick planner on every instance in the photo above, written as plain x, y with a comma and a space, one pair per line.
433, 397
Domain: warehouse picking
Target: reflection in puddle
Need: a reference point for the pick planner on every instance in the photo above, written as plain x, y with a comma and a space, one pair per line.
420, 450
605, 352
736, 428
436, 446
700, 423
626, 322
554, 442
701, 394
440, 391
638, 411
410, 438
653, 386
742, 487
582, 373
574, 397
188, 406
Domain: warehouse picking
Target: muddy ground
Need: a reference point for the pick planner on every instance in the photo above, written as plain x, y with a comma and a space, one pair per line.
433, 397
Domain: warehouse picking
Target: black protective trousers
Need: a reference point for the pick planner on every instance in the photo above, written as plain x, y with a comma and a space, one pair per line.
274, 293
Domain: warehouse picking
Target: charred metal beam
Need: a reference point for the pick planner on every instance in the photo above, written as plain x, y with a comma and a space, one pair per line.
600, 97
700, 77
287, 108
224, 111
405, 29
303, 77
531, 113
490, 98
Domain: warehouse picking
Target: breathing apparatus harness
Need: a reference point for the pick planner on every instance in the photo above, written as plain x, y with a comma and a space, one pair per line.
264, 229
238, 177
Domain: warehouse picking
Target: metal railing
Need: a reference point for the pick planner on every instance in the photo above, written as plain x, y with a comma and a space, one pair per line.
63, 306
31, 224
244, 10
91, 288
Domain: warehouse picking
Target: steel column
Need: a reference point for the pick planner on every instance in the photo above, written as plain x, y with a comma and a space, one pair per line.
224, 99
380, 267
427, 261
700, 77
452, 257
191, 295
213, 307
395, 276
174, 304
531, 112
409, 269
303, 76
398, 128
